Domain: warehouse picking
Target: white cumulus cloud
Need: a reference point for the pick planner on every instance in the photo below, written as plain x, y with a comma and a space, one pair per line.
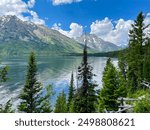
106, 30
18, 7
60, 2
31, 3
35, 18
76, 30
102, 27
116, 33
112, 31
119, 35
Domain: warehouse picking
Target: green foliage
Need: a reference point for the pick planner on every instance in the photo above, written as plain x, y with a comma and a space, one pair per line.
114, 54
122, 63
85, 97
143, 105
71, 93
113, 87
46, 101
6, 108
138, 93
146, 68
31, 96
3, 74
122, 86
71, 107
61, 104
54, 47
135, 54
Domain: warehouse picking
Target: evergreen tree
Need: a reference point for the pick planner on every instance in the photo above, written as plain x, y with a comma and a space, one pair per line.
136, 53
71, 93
146, 68
122, 63
6, 108
113, 88
85, 97
31, 96
46, 103
72, 107
61, 105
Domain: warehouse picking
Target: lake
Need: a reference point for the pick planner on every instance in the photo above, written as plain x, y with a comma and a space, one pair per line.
51, 70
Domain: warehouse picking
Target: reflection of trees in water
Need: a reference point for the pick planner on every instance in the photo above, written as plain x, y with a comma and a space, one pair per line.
55, 69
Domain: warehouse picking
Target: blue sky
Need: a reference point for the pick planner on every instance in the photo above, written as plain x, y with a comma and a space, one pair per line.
108, 19
87, 11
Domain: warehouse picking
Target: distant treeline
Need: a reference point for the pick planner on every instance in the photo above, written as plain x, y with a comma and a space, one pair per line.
112, 54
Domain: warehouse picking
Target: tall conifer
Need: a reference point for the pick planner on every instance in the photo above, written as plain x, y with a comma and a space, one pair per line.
31, 97
136, 53
86, 98
71, 93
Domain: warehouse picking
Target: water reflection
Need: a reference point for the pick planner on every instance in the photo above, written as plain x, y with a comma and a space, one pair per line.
51, 70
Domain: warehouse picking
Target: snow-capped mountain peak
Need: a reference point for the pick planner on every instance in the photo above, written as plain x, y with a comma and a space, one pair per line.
96, 43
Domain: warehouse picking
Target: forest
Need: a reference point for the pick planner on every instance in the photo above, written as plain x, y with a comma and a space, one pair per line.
125, 89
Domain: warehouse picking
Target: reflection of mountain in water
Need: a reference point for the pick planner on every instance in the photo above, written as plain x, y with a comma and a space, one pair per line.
51, 70
57, 68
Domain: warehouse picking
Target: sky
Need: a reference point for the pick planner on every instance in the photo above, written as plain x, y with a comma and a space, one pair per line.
108, 19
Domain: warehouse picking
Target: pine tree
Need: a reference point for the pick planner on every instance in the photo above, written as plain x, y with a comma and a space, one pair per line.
6, 108
61, 104
31, 96
122, 63
71, 93
72, 107
85, 97
46, 103
136, 53
113, 88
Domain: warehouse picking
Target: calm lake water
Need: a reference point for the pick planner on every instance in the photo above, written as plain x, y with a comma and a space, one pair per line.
51, 70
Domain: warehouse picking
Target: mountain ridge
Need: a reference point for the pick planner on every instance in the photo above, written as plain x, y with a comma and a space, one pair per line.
19, 37
96, 43
27, 37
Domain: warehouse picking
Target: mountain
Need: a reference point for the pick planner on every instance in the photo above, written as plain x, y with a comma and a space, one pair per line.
18, 37
97, 44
